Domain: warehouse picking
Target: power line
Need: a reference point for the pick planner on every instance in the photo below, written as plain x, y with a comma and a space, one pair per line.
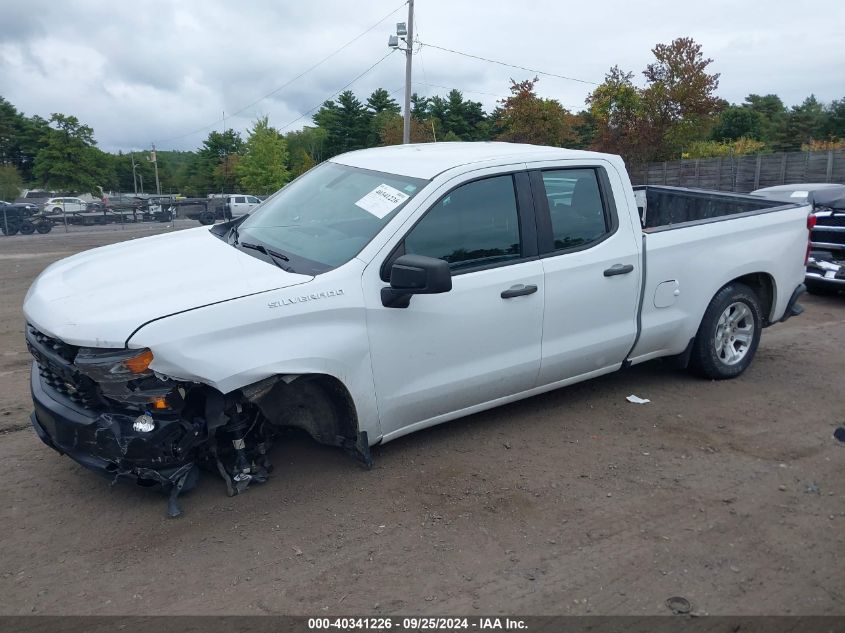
494, 61
337, 92
289, 82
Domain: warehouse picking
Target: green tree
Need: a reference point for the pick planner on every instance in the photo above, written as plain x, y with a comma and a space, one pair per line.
382, 107
346, 122
263, 167
419, 107
526, 118
305, 148
213, 170
772, 113
736, 122
802, 124
11, 182
381, 101
835, 124
68, 159
615, 107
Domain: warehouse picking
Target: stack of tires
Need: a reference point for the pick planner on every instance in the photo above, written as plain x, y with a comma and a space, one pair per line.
16, 219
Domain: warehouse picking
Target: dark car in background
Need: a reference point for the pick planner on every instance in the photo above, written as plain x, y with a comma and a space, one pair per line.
826, 263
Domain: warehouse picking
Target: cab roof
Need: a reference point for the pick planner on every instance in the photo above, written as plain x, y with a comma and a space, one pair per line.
426, 160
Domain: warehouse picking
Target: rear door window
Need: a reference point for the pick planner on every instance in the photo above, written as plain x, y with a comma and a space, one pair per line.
577, 211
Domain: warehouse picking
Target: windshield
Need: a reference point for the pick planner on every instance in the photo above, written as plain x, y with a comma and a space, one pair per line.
324, 218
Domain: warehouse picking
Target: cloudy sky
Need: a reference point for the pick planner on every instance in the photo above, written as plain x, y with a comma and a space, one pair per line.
165, 71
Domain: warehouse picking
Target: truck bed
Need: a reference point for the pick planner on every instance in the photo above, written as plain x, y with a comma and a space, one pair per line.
663, 208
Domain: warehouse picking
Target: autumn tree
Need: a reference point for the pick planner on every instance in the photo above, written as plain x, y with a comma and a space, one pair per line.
677, 106
391, 132
525, 117
679, 102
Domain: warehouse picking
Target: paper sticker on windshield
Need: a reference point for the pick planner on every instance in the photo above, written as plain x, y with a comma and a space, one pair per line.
382, 200
799, 194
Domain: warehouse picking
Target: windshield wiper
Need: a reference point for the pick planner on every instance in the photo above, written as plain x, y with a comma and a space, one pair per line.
273, 255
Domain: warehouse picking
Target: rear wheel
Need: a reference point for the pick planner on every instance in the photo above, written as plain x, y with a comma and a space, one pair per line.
27, 228
44, 227
206, 217
729, 333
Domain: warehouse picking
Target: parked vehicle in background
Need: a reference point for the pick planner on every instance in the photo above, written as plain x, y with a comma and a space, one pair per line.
826, 262
391, 289
239, 204
65, 205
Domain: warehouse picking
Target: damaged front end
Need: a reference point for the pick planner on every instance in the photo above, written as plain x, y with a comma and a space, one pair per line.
107, 409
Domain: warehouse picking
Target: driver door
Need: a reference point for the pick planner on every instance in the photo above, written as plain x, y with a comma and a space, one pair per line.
448, 354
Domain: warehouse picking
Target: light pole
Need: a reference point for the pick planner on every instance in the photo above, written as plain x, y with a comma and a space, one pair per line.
406, 34
134, 175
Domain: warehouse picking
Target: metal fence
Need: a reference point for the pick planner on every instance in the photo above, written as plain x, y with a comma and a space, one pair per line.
744, 173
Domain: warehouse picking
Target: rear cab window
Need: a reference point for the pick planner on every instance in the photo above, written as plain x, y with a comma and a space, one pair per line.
579, 207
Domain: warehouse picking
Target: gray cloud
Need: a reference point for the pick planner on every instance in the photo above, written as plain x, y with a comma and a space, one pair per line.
164, 70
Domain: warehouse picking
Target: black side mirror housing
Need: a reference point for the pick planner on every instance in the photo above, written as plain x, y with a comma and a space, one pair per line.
415, 275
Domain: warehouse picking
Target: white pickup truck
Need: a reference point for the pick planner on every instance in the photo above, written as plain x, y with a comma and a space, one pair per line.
391, 289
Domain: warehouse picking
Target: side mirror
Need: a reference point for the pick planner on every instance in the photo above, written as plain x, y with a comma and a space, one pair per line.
415, 275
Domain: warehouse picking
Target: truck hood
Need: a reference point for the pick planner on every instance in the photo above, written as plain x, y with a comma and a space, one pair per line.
99, 297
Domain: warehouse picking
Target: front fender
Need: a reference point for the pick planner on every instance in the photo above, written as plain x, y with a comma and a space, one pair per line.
315, 328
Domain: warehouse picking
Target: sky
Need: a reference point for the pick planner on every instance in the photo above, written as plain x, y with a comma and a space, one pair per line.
167, 71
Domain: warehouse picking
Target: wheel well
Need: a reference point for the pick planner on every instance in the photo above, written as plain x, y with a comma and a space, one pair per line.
317, 403
764, 287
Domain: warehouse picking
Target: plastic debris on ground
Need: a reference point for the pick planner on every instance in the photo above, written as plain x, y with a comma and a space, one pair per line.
637, 399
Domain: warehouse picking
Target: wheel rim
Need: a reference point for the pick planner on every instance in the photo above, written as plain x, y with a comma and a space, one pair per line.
734, 333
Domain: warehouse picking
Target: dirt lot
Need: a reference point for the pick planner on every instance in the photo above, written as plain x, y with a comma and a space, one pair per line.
731, 494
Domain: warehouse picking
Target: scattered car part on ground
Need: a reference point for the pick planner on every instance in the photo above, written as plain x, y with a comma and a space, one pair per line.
389, 290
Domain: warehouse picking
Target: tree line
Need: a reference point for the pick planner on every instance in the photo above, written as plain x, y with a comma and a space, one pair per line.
674, 112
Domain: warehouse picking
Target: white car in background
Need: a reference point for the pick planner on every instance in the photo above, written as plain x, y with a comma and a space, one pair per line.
67, 205
238, 205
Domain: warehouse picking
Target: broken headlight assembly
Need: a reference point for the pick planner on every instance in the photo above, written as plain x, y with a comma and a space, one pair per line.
110, 365
124, 375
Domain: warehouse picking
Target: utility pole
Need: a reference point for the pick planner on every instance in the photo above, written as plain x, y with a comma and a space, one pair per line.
406, 32
155, 165
409, 52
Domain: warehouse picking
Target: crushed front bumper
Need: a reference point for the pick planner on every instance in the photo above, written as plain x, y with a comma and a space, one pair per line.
105, 442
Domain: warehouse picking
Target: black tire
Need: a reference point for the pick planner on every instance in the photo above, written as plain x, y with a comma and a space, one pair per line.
10, 227
44, 227
715, 356
27, 228
57, 210
820, 288
206, 217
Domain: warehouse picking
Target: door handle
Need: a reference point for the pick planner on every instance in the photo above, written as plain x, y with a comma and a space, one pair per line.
618, 269
518, 291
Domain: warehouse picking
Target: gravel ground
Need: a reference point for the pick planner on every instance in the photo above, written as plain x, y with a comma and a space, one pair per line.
729, 494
